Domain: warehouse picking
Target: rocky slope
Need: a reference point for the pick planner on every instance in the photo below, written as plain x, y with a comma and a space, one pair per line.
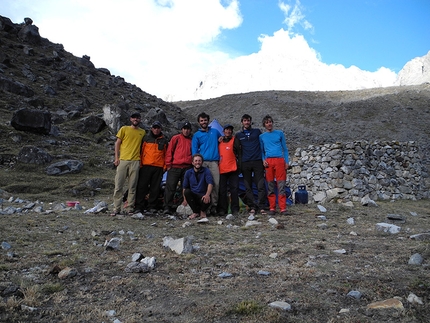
41, 76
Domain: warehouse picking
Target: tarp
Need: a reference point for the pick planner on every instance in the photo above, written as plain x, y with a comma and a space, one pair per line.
216, 125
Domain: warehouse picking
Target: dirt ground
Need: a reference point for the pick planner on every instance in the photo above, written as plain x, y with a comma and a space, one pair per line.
296, 261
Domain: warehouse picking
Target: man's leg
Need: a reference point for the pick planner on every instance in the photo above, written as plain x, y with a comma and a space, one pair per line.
173, 177
270, 178
142, 187
233, 181
281, 177
193, 200
120, 177
247, 181
214, 168
260, 183
133, 178
222, 195
154, 186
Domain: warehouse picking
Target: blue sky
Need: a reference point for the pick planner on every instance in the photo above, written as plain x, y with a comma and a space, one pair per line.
167, 46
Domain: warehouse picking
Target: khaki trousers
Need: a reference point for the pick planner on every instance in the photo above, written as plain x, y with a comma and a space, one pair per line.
126, 169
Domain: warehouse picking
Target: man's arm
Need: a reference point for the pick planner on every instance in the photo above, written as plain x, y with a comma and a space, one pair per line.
118, 143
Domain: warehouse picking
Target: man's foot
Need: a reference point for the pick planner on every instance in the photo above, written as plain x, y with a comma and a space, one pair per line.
252, 211
193, 216
114, 213
271, 212
167, 210
284, 212
202, 214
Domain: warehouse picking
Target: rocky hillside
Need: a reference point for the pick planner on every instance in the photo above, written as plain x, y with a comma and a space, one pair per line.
393, 113
80, 99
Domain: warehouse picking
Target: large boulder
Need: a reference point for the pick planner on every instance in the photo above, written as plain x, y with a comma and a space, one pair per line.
14, 87
35, 121
34, 155
30, 34
91, 124
65, 167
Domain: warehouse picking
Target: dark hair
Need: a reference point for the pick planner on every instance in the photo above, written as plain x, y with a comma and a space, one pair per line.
203, 115
267, 118
246, 116
198, 155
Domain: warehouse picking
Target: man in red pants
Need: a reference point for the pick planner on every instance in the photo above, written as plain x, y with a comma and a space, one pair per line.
275, 158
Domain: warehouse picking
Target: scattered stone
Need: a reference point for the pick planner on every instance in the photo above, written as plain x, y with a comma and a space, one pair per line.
137, 267
284, 306
367, 201
149, 261
28, 308
386, 227
251, 223
350, 221
353, 233
65, 167
348, 204
396, 218
414, 299
273, 255
388, 303
414, 213
136, 257
98, 208
354, 294
113, 244
416, 259
203, 220
263, 273
344, 310
67, 273
273, 221
182, 245
340, 251
138, 216
229, 217
5, 245
322, 226
322, 208
225, 275
420, 236
322, 217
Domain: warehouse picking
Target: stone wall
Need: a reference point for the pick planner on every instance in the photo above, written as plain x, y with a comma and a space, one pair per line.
345, 172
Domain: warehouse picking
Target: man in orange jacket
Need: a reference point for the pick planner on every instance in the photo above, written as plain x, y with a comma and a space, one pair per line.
152, 161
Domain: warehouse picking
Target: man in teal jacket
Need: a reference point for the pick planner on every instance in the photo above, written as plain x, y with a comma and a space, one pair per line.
205, 142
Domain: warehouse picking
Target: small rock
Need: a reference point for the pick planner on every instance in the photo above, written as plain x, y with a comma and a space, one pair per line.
340, 251
263, 273
414, 299
281, 305
322, 208
388, 303
416, 259
225, 275
386, 227
350, 221
67, 273
354, 294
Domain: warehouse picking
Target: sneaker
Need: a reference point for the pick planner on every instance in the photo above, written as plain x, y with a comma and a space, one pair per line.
271, 212
284, 212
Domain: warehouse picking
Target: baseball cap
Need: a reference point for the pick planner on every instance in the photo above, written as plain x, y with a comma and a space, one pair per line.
186, 125
156, 124
135, 115
228, 126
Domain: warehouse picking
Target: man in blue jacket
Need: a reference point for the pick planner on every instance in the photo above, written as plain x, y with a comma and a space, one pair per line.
251, 164
205, 142
275, 159
197, 187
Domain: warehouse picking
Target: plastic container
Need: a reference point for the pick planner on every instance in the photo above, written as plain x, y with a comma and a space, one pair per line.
301, 196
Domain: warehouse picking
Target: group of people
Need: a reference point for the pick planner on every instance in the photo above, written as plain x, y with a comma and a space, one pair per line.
206, 166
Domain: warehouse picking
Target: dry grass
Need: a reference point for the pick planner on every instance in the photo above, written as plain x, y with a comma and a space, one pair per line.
186, 288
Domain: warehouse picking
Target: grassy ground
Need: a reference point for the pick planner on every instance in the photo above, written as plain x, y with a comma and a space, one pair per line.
306, 272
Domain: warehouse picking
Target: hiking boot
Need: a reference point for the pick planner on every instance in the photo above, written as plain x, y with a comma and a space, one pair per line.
284, 212
271, 212
167, 210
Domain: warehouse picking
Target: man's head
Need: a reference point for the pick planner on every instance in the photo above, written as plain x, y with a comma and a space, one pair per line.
135, 119
246, 121
186, 129
228, 130
203, 120
197, 161
268, 123
156, 128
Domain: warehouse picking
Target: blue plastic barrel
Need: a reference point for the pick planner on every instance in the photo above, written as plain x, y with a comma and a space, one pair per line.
301, 196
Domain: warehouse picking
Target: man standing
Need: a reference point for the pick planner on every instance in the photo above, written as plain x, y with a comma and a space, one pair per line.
197, 188
178, 161
251, 164
152, 161
275, 158
127, 161
205, 142
229, 173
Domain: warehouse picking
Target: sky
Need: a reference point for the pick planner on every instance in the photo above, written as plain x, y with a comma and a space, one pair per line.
168, 47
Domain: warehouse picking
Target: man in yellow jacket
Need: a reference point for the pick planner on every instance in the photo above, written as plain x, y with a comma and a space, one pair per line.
127, 161
152, 161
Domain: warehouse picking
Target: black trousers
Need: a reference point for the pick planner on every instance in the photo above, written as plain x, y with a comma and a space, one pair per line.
249, 168
174, 176
195, 201
149, 182
228, 181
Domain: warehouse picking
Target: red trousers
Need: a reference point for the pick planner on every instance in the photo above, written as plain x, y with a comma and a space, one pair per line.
276, 170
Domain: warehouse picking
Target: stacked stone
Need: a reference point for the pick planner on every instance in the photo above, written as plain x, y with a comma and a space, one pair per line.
345, 172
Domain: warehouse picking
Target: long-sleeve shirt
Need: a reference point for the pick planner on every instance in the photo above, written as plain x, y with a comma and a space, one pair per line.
249, 144
206, 144
273, 145
178, 154
198, 181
